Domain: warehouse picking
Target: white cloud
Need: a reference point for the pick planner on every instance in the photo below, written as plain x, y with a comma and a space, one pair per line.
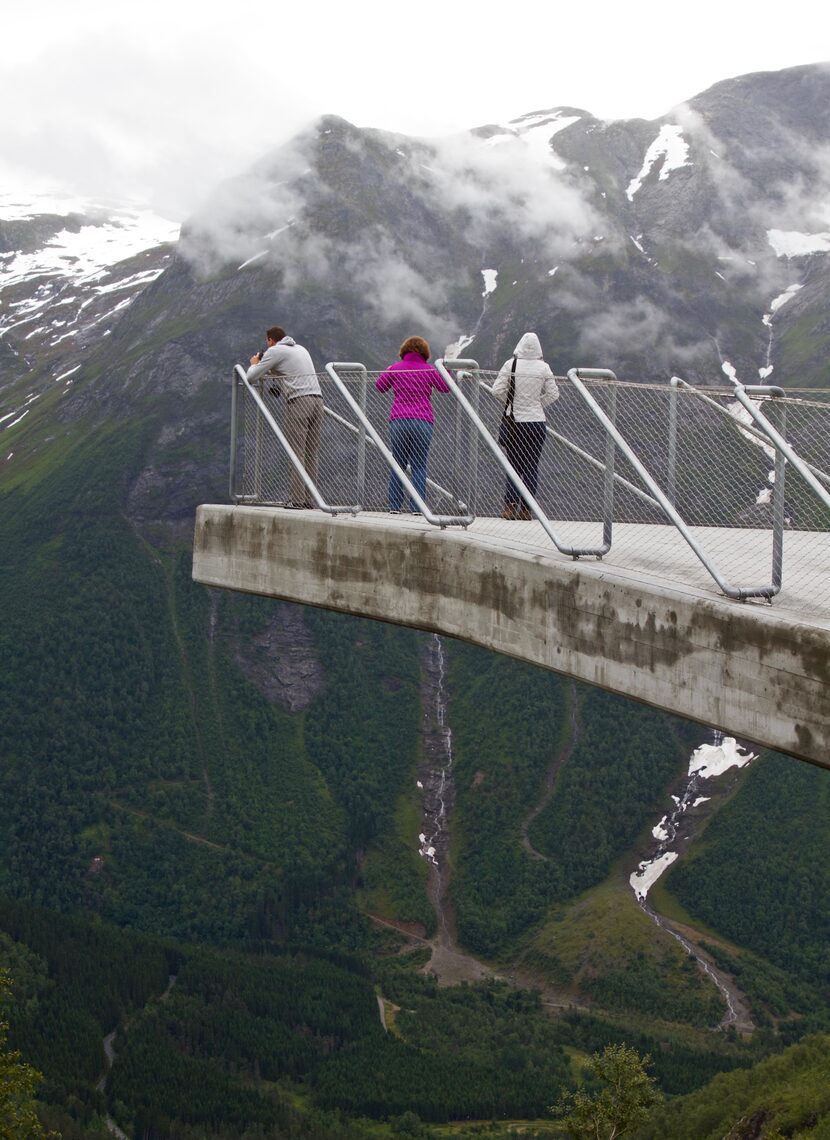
513, 182
162, 100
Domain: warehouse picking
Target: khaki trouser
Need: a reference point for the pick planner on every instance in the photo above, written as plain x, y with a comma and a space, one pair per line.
303, 423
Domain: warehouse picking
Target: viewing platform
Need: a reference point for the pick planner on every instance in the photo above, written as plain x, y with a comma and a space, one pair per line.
758, 672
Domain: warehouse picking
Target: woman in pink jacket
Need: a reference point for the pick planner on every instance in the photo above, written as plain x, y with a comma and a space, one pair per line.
411, 379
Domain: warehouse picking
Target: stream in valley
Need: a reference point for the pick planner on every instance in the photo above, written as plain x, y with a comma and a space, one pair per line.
707, 766
436, 780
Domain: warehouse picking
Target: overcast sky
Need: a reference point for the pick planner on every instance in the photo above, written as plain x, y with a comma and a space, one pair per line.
157, 101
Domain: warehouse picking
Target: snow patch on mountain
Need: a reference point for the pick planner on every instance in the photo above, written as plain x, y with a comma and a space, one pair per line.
714, 759
791, 243
649, 871
96, 241
776, 303
671, 147
535, 130
782, 298
66, 254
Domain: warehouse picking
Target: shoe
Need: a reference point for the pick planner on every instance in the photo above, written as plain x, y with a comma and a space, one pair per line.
509, 511
523, 513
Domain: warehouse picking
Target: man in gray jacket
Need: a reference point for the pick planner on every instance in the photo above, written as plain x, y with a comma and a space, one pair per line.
291, 366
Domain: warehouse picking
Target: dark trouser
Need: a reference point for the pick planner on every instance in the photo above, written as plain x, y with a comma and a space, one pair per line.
524, 452
303, 423
410, 441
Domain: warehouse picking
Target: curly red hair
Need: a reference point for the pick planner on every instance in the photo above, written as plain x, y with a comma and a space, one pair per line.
414, 344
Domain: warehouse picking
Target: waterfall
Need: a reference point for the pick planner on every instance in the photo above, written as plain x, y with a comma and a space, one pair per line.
437, 780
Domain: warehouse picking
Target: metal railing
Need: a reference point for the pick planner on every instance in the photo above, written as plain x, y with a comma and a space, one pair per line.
470, 367
367, 431
740, 475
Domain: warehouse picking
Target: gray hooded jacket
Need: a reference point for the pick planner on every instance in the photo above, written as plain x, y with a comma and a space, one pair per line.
292, 367
535, 385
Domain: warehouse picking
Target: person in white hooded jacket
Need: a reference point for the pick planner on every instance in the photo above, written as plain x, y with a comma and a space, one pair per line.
535, 388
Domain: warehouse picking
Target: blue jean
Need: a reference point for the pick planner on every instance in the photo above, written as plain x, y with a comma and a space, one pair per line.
410, 441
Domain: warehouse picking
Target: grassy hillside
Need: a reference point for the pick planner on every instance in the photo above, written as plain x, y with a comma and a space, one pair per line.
604, 948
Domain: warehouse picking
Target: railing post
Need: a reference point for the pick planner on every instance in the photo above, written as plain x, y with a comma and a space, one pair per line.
671, 474
258, 447
776, 438
778, 500
608, 481
361, 436
473, 453
461, 424
234, 413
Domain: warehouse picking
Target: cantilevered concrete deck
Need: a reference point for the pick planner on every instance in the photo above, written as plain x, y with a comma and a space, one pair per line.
758, 672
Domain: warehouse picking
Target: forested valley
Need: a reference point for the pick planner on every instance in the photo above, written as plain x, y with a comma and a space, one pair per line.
234, 889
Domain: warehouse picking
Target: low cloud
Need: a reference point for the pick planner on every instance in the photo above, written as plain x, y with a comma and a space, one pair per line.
245, 216
639, 328
396, 291
507, 183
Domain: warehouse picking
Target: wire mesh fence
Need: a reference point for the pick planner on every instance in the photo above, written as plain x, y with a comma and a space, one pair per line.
700, 449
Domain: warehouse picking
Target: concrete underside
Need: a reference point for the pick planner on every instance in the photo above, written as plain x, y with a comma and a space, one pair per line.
755, 673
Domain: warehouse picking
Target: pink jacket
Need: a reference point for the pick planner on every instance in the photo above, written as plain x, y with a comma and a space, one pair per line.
412, 380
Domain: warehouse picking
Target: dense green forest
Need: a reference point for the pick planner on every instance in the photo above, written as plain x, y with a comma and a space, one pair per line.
281, 1037
511, 722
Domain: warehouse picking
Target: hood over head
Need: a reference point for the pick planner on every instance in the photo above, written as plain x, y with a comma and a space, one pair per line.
528, 347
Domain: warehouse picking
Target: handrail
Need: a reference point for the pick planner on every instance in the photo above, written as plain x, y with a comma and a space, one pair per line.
575, 375
258, 471
761, 435
310, 485
338, 419
443, 367
435, 520
804, 469
586, 455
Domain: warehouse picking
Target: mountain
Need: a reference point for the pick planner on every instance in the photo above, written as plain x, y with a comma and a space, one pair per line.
68, 270
220, 789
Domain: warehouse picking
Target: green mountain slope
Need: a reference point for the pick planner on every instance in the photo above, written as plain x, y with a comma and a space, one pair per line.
788, 1095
